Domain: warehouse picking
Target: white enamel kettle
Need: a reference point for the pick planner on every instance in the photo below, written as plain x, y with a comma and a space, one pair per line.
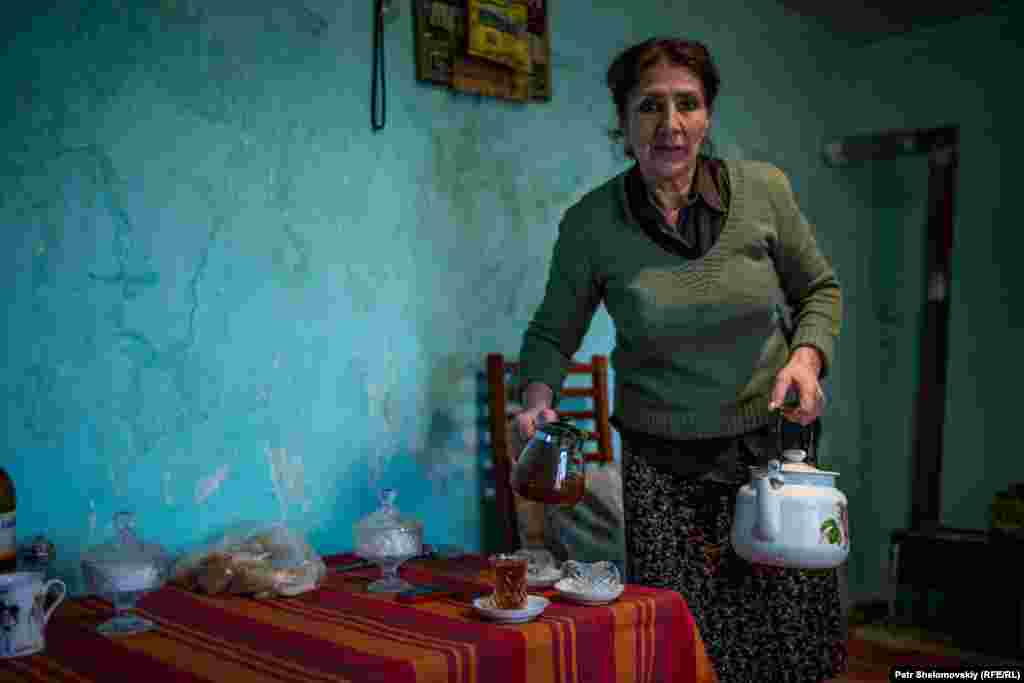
791, 515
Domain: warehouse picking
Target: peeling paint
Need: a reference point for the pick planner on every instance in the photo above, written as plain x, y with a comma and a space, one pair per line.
287, 475
375, 393
166, 486
92, 519
112, 477
377, 460
471, 438
207, 486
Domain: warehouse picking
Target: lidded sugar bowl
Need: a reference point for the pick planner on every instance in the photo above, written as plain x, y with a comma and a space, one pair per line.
387, 539
122, 571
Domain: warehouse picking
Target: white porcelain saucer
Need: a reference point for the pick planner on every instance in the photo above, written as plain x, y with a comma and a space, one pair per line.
570, 590
535, 604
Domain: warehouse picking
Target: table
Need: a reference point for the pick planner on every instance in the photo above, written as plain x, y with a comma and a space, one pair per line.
342, 633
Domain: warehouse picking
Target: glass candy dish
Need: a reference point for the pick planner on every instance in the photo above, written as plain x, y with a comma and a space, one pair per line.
122, 571
590, 583
388, 540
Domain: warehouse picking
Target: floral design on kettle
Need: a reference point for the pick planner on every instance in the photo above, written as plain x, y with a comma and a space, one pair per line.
8, 622
836, 530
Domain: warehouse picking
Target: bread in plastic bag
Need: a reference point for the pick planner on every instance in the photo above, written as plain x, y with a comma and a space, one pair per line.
252, 558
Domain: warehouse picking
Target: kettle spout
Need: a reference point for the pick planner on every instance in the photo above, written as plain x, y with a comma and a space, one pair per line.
769, 514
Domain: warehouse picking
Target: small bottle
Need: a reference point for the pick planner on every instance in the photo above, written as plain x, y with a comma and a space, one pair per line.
8, 545
37, 555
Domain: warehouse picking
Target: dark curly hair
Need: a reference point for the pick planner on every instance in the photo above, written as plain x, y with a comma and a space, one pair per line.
625, 72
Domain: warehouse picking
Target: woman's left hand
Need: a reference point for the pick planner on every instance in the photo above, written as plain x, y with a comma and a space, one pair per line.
802, 370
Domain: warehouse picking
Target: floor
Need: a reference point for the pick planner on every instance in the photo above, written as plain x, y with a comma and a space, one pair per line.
875, 648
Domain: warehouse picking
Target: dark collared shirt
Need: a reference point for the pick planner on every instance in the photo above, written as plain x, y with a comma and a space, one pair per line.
703, 214
696, 231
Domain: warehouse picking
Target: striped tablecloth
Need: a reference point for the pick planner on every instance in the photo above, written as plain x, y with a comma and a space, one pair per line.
340, 632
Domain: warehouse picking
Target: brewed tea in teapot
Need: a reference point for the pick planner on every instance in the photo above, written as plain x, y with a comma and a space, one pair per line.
551, 467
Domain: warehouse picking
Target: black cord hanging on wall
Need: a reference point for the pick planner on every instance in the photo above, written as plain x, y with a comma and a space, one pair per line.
378, 84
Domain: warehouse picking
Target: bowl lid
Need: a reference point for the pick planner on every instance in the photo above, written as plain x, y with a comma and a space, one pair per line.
794, 462
126, 552
386, 517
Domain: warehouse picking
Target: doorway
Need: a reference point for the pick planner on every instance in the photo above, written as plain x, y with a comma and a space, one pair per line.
904, 182
886, 330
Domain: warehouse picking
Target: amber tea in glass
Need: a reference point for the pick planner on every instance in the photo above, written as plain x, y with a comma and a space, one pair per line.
510, 581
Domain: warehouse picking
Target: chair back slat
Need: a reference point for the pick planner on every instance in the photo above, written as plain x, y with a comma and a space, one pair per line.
497, 405
577, 414
595, 373
579, 392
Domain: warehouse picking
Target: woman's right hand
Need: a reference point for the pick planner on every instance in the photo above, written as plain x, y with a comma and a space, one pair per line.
527, 421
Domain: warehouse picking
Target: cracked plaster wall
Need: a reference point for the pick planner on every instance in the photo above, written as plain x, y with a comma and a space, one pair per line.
226, 299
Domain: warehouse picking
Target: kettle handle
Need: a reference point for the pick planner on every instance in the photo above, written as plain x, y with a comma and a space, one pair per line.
808, 437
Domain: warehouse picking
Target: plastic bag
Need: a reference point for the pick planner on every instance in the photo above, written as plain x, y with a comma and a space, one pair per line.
252, 558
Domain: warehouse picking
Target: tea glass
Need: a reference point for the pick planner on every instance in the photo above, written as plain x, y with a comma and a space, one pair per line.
510, 581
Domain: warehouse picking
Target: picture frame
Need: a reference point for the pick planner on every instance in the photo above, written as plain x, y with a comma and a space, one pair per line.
442, 57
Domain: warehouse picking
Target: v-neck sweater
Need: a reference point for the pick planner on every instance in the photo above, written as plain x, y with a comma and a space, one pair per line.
698, 341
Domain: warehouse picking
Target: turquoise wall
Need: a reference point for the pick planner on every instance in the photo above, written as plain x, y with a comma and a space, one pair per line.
227, 299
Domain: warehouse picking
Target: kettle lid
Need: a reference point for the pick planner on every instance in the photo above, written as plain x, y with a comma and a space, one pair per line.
794, 462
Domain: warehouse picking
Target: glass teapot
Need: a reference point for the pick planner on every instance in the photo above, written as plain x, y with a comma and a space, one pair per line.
551, 467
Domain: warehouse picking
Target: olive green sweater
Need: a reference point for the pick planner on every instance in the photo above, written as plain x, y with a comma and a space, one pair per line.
698, 341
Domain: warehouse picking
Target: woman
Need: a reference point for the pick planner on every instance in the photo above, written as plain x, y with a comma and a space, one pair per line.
699, 262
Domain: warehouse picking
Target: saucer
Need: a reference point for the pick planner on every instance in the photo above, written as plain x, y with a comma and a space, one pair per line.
544, 579
569, 590
535, 604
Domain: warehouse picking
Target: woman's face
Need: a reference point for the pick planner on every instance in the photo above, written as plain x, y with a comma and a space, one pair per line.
667, 121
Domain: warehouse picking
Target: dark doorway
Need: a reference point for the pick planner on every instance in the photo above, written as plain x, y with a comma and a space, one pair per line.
940, 145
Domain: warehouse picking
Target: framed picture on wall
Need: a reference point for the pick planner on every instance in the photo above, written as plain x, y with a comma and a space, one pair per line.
540, 49
440, 27
496, 48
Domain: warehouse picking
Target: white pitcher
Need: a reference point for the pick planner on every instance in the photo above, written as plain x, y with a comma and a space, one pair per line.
23, 612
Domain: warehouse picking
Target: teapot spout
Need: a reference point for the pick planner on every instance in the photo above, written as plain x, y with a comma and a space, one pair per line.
768, 526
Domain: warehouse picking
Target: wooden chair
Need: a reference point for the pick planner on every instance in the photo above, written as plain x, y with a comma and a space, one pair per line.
503, 389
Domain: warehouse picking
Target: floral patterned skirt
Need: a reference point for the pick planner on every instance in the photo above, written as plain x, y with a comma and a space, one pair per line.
758, 623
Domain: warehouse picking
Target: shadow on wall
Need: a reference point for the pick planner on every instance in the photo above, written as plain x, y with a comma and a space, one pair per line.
436, 472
